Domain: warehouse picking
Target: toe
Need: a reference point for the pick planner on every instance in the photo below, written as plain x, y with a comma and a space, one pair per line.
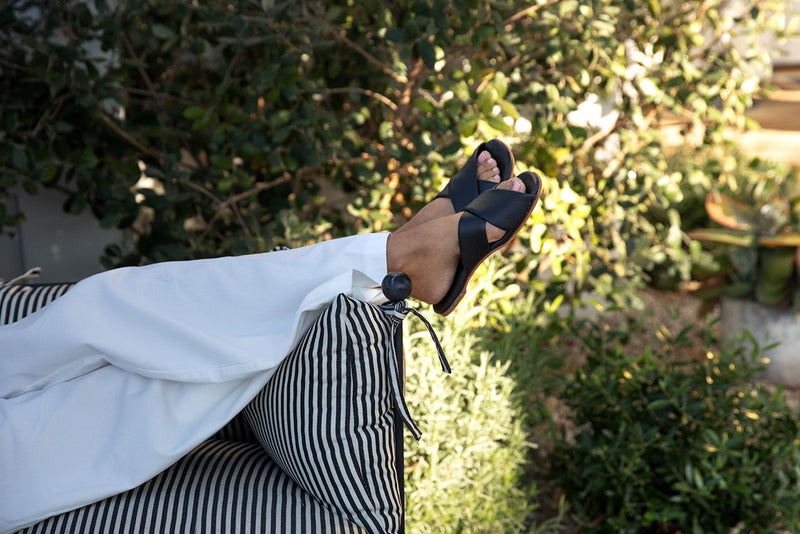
514, 184
487, 168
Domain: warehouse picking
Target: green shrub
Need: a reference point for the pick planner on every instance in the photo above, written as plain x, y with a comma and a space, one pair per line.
691, 446
613, 220
263, 123
469, 472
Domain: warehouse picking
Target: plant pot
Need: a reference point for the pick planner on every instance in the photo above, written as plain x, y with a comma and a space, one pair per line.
767, 326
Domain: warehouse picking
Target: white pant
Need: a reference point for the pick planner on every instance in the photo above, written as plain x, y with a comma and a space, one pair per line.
119, 378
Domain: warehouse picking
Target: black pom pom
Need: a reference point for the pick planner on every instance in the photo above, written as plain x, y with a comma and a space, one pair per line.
396, 286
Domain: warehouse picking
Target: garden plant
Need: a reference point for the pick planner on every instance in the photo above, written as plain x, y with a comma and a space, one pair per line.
757, 242
666, 443
211, 128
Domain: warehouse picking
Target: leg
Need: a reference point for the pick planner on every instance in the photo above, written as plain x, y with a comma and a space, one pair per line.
428, 251
488, 171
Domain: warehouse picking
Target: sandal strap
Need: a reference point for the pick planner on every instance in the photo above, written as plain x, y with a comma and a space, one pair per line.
505, 208
464, 187
502, 208
472, 242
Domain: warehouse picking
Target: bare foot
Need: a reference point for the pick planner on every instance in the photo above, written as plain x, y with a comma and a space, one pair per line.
442, 207
428, 252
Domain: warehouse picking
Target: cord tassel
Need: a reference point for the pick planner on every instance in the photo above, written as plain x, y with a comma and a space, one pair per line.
397, 311
442, 358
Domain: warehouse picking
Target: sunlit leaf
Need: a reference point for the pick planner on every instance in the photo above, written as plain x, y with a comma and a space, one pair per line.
787, 239
725, 236
731, 213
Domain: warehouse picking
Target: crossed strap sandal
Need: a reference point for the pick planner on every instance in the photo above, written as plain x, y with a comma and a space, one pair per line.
505, 209
465, 187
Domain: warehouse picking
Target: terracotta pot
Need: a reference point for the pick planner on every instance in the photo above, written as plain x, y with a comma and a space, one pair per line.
767, 325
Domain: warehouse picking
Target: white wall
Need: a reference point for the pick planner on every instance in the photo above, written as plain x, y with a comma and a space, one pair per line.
791, 46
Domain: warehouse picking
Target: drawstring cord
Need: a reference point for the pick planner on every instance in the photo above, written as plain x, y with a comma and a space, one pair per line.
31, 273
397, 311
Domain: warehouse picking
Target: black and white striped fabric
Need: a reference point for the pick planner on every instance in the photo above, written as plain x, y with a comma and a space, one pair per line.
221, 487
19, 300
326, 416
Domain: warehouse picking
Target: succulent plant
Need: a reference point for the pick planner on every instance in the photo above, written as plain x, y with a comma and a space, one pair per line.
760, 247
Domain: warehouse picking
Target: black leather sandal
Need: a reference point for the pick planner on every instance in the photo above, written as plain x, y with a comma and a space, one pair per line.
503, 208
465, 187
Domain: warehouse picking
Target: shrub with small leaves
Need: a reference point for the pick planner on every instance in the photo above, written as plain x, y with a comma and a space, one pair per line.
691, 446
469, 472
214, 128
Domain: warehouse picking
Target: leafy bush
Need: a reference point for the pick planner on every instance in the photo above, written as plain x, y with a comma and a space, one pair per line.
755, 242
679, 446
469, 473
263, 123
617, 70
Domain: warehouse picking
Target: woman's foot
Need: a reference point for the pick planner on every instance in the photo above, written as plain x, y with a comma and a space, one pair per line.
488, 171
428, 252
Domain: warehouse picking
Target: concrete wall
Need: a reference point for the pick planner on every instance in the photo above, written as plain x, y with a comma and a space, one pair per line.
66, 247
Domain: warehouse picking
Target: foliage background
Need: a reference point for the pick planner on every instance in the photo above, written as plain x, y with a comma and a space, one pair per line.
213, 128
264, 123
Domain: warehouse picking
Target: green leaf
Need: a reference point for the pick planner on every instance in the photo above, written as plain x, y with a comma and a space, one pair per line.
63, 127
499, 124
397, 35
726, 236
162, 32
221, 161
75, 204
776, 275
50, 174
19, 159
786, 239
385, 131
467, 125
86, 159
658, 404
450, 149
731, 213
427, 52
500, 83
509, 109
655, 7
193, 112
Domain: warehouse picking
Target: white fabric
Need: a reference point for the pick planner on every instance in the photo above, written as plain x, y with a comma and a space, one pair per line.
110, 384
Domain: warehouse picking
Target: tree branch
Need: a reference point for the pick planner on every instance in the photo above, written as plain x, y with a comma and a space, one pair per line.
260, 186
230, 203
50, 114
127, 137
339, 36
598, 136
142, 72
526, 12
377, 96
